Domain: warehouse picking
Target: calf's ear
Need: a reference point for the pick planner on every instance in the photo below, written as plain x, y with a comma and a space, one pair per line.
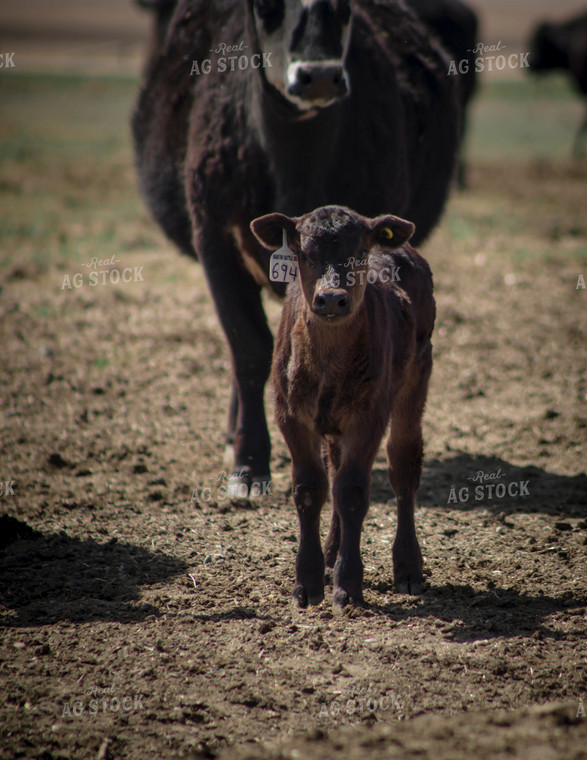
390, 231
268, 230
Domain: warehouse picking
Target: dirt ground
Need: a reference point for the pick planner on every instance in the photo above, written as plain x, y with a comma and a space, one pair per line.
145, 615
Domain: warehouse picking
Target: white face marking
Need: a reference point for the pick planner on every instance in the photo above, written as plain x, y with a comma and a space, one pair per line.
284, 66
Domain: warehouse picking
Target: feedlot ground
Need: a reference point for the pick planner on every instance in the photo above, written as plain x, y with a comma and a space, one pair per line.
139, 622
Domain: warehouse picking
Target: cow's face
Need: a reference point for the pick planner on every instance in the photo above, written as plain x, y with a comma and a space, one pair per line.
307, 42
332, 245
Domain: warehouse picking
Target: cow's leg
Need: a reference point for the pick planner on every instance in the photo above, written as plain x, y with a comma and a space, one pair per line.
461, 161
310, 490
404, 459
350, 495
231, 425
580, 137
237, 298
332, 543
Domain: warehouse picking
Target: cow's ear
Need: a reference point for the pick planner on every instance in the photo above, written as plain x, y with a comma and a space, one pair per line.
269, 229
390, 231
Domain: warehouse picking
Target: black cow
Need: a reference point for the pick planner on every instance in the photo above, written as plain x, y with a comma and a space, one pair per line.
457, 27
256, 106
163, 11
563, 46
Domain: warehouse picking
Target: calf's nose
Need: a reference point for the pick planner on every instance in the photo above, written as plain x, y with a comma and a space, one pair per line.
329, 303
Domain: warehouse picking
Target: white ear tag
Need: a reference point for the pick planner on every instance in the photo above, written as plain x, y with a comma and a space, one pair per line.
283, 265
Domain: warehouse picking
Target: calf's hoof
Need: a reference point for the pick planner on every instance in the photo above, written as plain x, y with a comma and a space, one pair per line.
342, 599
409, 583
407, 568
304, 597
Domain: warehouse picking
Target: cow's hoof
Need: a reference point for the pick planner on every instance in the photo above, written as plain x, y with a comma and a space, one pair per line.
243, 485
228, 458
237, 488
260, 486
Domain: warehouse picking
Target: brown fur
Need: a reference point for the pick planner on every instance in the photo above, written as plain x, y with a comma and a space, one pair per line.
340, 383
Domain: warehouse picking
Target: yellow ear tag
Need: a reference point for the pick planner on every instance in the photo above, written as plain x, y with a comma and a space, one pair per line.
387, 233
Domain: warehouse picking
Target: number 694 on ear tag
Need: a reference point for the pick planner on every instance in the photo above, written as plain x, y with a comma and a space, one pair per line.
283, 265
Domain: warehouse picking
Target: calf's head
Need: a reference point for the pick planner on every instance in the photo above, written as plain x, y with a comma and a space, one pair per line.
307, 42
332, 245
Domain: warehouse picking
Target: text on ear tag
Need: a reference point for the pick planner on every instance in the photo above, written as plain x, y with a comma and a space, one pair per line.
283, 265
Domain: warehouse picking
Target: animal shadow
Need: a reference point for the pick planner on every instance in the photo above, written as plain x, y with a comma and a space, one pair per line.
49, 577
475, 480
471, 615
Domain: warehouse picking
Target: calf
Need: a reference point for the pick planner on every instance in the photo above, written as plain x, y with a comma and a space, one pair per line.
352, 351
563, 46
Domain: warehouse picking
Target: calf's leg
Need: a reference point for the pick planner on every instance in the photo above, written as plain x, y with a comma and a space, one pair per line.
310, 489
332, 543
350, 494
404, 458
